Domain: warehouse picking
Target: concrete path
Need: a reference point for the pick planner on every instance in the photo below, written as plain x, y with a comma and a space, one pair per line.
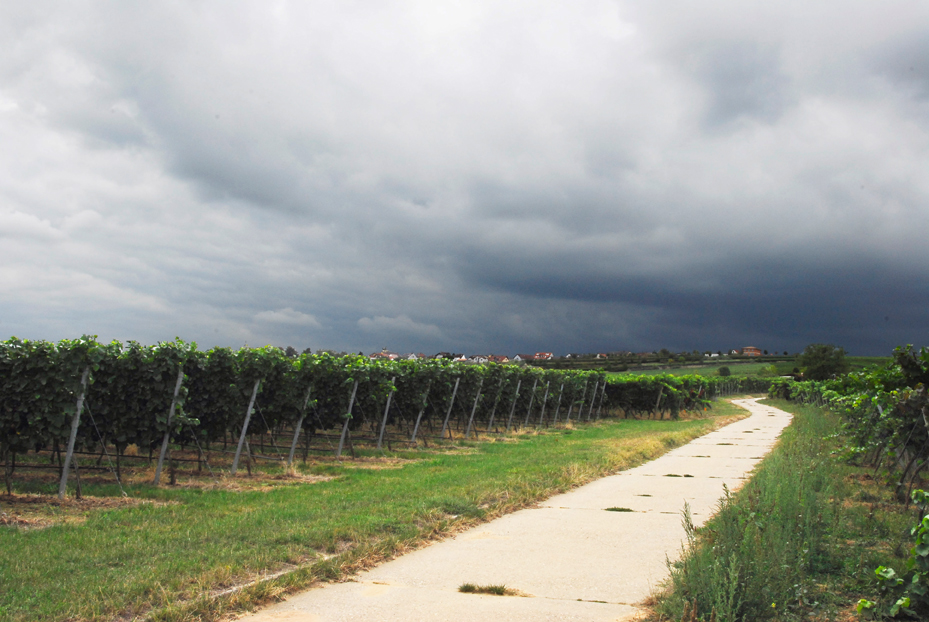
576, 560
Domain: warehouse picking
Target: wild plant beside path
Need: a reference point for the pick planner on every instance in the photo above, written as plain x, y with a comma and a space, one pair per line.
799, 541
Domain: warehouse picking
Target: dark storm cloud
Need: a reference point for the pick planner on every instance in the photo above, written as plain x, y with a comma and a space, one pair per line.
488, 177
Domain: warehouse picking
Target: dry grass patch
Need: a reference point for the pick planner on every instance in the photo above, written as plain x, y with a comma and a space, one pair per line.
38, 511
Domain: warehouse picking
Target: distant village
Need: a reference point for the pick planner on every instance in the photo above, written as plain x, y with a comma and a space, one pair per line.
659, 355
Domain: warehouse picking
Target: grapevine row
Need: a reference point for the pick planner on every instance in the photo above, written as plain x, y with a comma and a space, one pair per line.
885, 412
148, 395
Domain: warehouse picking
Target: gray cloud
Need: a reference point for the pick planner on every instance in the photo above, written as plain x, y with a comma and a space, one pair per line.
484, 177
743, 79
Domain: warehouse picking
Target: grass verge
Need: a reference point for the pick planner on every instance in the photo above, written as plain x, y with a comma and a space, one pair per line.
800, 540
199, 553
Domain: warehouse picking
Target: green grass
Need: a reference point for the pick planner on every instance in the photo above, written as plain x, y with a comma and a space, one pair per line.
169, 559
737, 369
800, 540
752, 368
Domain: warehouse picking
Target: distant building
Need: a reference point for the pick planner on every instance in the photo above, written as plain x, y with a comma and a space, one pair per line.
544, 356
524, 357
751, 351
384, 354
498, 358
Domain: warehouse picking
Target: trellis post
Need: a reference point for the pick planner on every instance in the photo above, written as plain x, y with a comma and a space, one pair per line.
509, 420
600, 404
348, 418
164, 443
75, 422
581, 407
493, 410
558, 406
474, 408
448, 414
390, 396
531, 402
544, 403
293, 444
248, 417
422, 409
593, 398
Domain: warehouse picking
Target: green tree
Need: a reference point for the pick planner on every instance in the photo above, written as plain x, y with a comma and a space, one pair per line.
820, 361
724, 371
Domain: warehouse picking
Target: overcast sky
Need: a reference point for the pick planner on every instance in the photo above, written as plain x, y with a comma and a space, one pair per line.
468, 176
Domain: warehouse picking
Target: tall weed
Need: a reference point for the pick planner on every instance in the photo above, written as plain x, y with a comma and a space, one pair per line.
756, 559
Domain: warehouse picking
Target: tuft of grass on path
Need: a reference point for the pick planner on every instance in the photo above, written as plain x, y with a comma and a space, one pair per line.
496, 590
202, 553
800, 540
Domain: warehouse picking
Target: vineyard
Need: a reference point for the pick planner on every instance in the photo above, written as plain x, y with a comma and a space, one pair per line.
81, 397
885, 412
842, 481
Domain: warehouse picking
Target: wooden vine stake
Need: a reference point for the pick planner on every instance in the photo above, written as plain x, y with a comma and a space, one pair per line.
248, 417
164, 443
390, 396
75, 422
348, 418
450, 404
293, 445
474, 409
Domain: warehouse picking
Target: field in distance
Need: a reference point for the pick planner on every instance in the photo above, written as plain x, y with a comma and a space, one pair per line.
746, 368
